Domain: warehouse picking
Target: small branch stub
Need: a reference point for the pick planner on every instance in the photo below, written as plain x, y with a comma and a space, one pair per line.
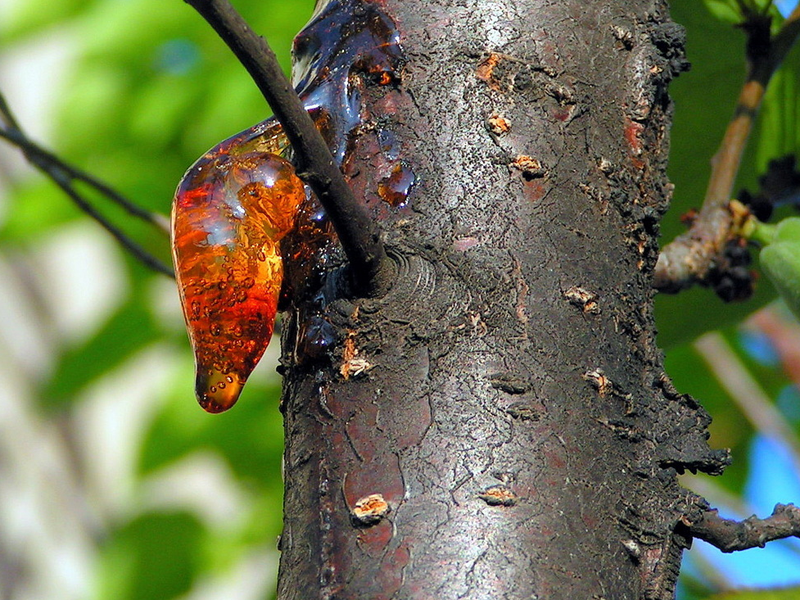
730, 536
353, 365
599, 381
583, 299
498, 124
633, 549
531, 168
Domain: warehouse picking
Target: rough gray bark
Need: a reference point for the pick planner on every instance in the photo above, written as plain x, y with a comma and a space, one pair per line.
506, 398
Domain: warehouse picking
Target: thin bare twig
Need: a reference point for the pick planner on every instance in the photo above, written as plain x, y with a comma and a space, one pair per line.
358, 233
64, 175
140, 253
36, 153
730, 536
689, 257
717, 495
6, 115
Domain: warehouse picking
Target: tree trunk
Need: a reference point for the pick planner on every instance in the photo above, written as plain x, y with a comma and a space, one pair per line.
506, 398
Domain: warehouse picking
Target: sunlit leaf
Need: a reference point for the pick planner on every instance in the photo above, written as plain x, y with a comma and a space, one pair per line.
250, 436
38, 207
156, 118
94, 108
779, 133
32, 16
737, 12
727, 11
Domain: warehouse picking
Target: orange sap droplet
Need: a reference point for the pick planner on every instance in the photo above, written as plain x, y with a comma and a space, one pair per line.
230, 211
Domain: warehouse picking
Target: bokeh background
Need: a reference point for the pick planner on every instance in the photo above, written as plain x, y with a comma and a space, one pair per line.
113, 482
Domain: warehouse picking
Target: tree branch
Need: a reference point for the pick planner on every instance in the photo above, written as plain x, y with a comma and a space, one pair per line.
64, 174
731, 536
689, 257
358, 233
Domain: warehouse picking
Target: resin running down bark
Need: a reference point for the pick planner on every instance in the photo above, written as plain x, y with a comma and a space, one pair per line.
241, 198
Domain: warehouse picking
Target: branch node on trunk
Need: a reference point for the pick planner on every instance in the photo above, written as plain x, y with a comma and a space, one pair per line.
731, 536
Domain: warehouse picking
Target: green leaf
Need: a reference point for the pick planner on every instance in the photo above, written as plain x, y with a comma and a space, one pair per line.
36, 206
787, 230
216, 119
153, 557
127, 331
779, 124
249, 435
781, 262
736, 12
93, 107
129, 33
32, 16
159, 109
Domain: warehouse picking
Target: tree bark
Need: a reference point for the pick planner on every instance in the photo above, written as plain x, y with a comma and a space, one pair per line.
506, 398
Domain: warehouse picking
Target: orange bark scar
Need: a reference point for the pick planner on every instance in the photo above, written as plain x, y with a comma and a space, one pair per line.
485, 71
498, 495
369, 510
352, 364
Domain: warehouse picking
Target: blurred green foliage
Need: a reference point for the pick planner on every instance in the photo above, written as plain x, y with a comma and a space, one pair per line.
151, 87
734, 12
154, 556
704, 101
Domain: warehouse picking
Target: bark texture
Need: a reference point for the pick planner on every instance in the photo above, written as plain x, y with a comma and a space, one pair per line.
506, 398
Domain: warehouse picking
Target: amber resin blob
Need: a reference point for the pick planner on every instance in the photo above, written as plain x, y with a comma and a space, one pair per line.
230, 211
236, 203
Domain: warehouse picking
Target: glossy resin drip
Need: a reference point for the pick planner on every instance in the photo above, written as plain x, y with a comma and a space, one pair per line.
238, 201
347, 46
345, 41
395, 188
231, 210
